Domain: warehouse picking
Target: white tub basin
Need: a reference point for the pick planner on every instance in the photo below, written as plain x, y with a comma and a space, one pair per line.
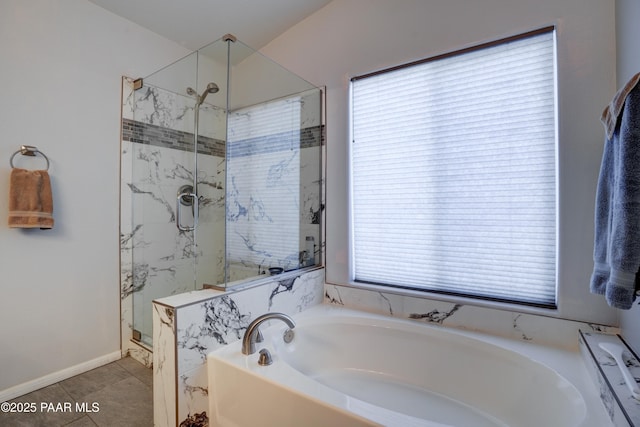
350, 368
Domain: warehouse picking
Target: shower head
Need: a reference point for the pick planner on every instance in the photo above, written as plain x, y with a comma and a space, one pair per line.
211, 88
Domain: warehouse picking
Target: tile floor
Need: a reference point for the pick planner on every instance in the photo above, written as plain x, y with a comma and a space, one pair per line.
113, 395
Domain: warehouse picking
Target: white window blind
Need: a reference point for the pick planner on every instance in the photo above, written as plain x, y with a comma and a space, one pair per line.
454, 173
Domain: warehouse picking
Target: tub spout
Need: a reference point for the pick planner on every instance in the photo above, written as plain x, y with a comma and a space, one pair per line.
250, 336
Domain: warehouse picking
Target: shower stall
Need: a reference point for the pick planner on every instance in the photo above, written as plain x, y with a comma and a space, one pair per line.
221, 176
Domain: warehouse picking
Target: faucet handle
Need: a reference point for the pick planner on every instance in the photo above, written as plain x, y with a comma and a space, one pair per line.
259, 336
288, 335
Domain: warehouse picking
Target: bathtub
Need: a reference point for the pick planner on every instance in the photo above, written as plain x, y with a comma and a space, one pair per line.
350, 368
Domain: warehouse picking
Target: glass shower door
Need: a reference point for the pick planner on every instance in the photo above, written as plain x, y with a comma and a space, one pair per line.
162, 165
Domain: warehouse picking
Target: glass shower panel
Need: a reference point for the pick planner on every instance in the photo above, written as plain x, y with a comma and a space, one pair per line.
211, 166
267, 136
311, 190
225, 175
163, 162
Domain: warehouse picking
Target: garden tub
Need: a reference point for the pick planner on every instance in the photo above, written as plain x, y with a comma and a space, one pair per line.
345, 367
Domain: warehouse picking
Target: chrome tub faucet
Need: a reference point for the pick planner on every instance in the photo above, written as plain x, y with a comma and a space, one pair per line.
251, 334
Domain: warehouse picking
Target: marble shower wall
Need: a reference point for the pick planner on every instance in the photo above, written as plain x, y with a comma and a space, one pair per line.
189, 326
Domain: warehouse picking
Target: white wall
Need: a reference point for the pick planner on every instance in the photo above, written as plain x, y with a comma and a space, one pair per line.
62, 62
628, 61
351, 37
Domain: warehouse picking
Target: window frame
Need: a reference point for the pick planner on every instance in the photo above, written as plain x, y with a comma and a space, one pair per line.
448, 294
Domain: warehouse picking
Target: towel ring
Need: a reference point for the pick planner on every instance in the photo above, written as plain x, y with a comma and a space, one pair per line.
28, 150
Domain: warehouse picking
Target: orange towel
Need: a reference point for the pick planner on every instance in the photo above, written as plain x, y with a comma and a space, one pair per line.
30, 199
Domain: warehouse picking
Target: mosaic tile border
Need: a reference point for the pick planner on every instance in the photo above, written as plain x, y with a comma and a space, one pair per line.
148, 134
145, 133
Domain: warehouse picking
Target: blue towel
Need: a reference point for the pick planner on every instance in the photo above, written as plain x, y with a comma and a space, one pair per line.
617, 217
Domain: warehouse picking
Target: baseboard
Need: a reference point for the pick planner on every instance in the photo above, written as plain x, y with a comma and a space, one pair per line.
38, 383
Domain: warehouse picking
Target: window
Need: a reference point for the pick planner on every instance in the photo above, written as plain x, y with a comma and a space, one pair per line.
453, 168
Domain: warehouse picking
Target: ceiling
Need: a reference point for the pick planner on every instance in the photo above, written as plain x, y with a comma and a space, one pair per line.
196, 23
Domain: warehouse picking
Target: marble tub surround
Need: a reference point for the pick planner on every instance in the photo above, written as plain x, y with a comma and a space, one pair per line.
622, 408
526, 327
189, 326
